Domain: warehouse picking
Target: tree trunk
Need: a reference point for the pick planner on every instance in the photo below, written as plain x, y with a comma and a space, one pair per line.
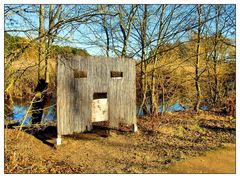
143, 29
126, 28
154, 97
41, 49
39, 102
215, 96
197, 84
106, 30
40, 99
163, 98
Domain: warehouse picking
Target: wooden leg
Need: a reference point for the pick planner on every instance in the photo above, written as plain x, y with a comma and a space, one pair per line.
135, 128
59, 140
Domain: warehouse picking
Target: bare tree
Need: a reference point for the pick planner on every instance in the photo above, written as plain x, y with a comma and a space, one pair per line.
197, 77
126, 25
41, 49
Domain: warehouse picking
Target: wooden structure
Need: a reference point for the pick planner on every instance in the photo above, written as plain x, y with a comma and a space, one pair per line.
94, 89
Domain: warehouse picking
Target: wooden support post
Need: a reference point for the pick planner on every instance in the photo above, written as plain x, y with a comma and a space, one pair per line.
135, 128
59, 140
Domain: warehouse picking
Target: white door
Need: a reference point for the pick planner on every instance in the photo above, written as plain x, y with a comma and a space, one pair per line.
99, 110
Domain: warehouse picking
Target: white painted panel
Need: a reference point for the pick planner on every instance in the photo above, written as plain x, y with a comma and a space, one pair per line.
99, 110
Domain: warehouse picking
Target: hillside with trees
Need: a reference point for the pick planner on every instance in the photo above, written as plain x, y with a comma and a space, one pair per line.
21, 74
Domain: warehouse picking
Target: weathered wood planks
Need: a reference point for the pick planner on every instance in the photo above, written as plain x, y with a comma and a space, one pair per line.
78, 78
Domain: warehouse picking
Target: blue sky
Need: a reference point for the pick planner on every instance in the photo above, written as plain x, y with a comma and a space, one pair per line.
78, 37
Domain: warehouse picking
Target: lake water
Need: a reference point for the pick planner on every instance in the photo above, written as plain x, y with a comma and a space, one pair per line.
19, 112
173, 108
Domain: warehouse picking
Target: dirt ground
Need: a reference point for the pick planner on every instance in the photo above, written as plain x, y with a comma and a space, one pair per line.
218, 162
166, 144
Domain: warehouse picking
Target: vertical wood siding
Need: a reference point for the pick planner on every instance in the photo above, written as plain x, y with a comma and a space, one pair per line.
75, 95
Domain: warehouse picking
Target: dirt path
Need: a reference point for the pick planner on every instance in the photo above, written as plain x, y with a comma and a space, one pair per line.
220, 161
